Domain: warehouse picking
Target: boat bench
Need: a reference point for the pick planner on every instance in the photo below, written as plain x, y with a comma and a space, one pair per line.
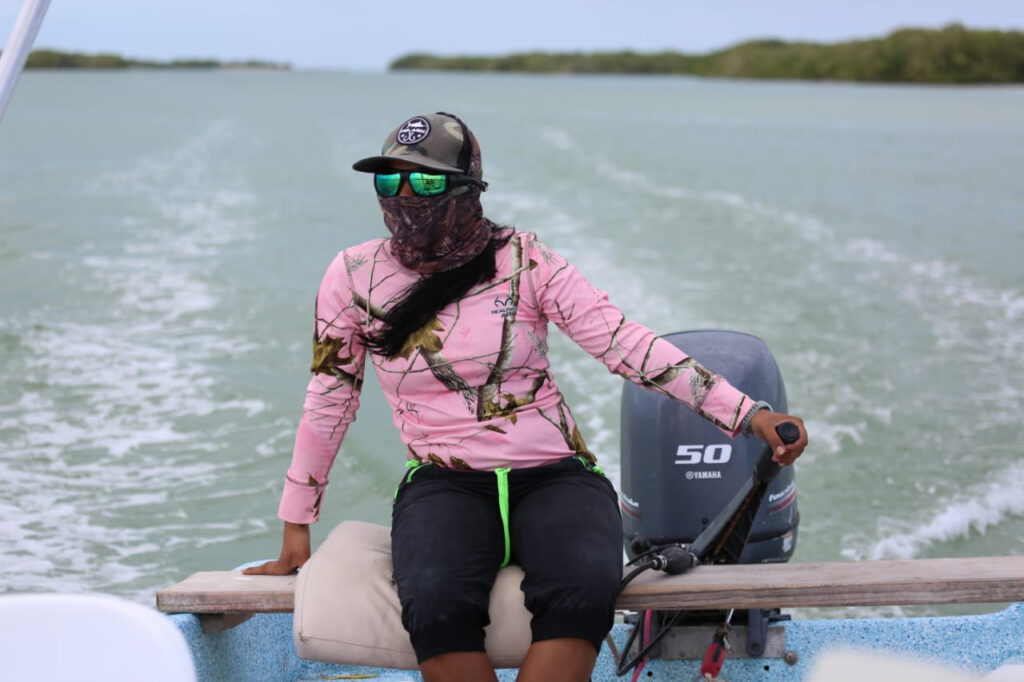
223, 599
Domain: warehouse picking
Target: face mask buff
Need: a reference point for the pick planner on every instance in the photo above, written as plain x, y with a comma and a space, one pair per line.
436, 234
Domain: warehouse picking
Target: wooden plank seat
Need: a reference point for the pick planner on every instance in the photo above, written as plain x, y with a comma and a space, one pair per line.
349, 576
866, 583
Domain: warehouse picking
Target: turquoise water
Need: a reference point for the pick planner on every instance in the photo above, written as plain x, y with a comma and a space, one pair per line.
162, 236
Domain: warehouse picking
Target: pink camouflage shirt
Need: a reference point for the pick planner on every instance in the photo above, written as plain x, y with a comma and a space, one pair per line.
473, 389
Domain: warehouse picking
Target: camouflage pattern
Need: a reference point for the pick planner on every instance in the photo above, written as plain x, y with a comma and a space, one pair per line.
439, 233
436, 234
473, 388
432, 141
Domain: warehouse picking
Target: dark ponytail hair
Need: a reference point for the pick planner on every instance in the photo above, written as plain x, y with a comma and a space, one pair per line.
429, 295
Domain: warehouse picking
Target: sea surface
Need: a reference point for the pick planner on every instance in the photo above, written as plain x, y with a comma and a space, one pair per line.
162, 236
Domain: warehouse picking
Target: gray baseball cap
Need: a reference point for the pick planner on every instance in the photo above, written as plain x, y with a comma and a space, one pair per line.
440, 142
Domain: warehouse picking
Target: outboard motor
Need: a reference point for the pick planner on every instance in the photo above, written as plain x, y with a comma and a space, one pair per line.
679, 470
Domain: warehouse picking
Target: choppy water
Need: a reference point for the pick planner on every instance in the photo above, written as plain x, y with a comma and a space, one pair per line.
162, 236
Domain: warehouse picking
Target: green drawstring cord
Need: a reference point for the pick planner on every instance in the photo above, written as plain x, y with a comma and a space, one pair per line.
413, 466
502, 475
590, 466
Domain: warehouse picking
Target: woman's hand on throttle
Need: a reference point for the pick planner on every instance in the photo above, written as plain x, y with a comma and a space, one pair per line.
763, 426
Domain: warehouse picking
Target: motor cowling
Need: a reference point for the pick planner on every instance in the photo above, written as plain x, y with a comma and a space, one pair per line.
679, 470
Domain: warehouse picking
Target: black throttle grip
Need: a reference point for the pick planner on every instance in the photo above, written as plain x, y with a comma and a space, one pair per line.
788, 432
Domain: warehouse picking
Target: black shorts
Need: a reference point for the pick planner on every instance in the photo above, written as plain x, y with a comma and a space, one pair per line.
448, 541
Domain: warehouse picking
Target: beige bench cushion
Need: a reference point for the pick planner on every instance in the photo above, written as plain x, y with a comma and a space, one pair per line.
347, 610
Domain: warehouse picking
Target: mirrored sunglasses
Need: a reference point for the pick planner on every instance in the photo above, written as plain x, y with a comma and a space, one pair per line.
421, 183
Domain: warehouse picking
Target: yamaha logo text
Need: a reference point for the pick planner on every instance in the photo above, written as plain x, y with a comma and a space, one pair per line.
702, 475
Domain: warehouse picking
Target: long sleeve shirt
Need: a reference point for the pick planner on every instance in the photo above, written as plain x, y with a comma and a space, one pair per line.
473, 389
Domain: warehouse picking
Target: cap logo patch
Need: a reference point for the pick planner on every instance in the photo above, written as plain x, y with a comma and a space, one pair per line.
413, 130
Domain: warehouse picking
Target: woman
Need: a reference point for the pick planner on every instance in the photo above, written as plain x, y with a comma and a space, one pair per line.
453, 311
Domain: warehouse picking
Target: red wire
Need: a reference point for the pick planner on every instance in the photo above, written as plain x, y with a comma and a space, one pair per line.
646, 638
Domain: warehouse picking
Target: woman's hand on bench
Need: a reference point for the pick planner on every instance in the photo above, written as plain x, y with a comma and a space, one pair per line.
295, 551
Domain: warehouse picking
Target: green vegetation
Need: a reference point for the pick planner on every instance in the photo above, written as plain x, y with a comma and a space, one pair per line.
953, 54
52, 59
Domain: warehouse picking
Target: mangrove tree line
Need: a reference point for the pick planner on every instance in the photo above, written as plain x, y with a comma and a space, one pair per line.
953, 54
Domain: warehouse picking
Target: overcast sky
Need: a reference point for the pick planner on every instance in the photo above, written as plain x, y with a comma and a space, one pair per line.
368, 34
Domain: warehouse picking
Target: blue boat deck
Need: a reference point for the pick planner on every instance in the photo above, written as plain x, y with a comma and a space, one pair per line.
261, 649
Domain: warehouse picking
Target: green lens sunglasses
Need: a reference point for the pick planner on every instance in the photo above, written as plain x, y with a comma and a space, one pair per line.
421, 183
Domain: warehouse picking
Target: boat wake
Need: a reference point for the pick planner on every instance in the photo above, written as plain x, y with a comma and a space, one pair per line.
980, 508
